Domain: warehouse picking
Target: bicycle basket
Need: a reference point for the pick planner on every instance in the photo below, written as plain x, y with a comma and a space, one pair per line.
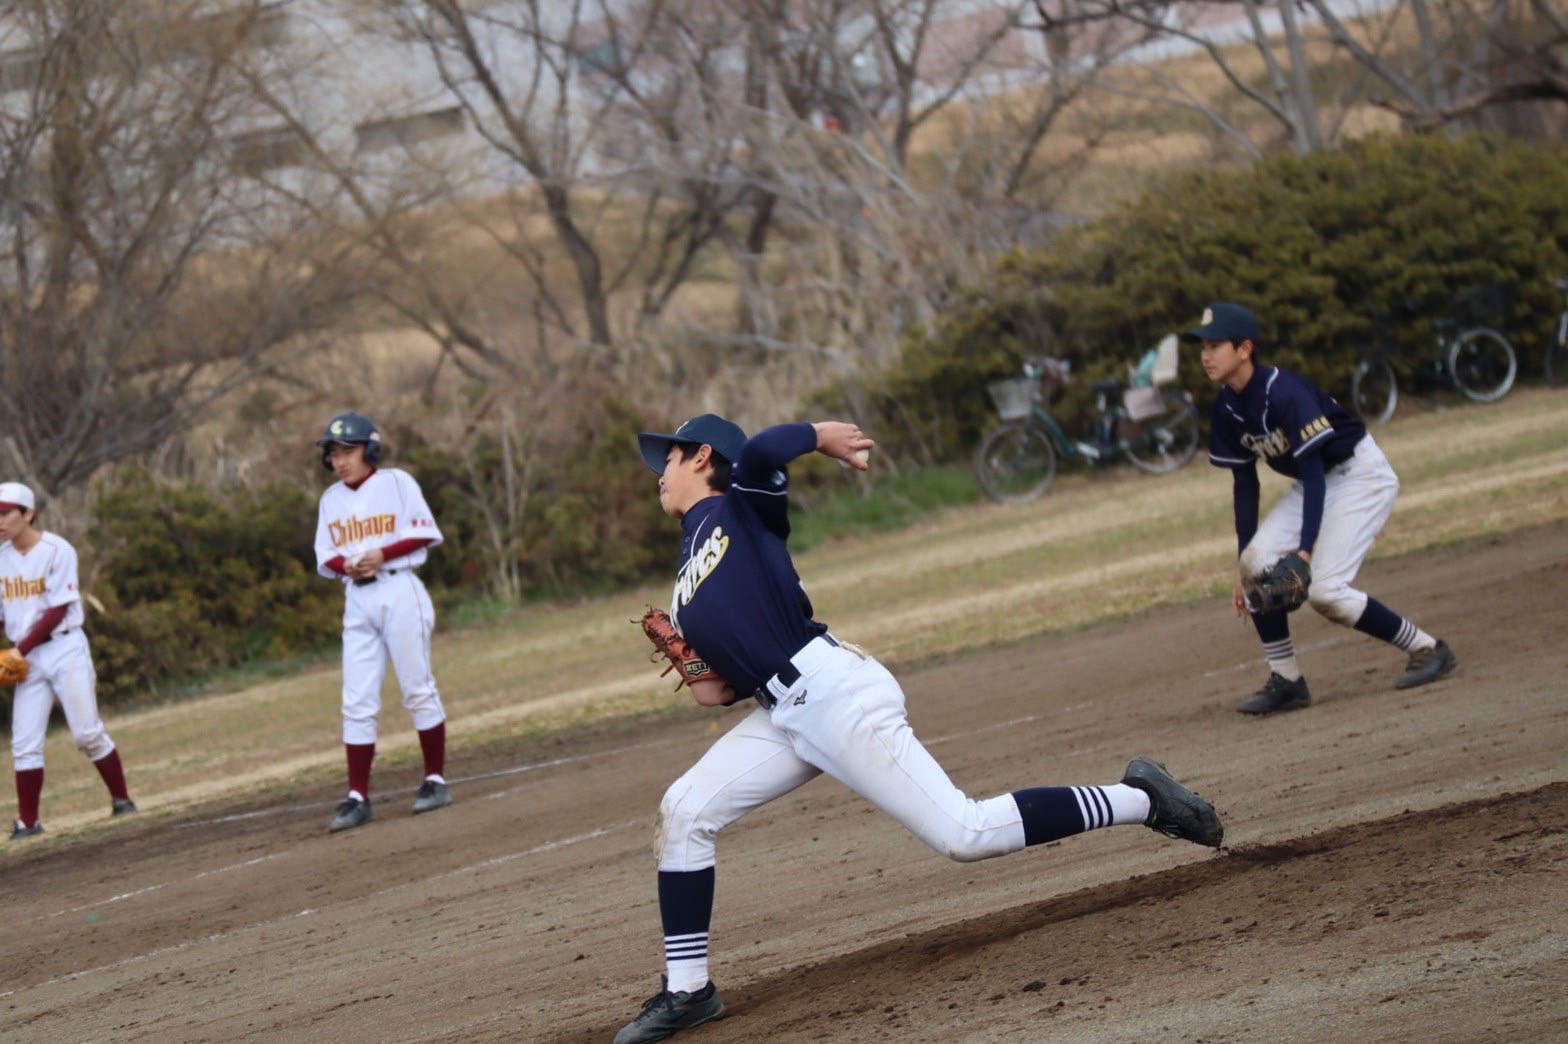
1143, 403
1485, 303
1014, 397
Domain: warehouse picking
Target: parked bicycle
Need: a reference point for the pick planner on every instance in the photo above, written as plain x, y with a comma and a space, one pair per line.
1557, 349
1469, 356
1152, 425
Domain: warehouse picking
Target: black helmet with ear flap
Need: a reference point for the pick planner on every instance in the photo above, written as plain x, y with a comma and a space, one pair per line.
351, 428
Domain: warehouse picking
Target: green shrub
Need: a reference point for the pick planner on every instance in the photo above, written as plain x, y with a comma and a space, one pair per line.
1309, 243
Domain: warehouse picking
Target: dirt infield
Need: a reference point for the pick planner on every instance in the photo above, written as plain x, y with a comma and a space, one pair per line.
1396, 866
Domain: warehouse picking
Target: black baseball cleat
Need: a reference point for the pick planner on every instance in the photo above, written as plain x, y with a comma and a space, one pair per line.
20, 830
665, 1014
1428, 665
1277, 694
122, 807
1174, 810
352, 812
431, 796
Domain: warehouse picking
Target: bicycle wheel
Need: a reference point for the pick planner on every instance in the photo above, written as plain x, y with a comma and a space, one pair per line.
1482, 364
1165, 443
1373, 391
1015, 462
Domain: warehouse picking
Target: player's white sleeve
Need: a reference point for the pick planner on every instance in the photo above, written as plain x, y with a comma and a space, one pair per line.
61, 585
418, 523
325, 550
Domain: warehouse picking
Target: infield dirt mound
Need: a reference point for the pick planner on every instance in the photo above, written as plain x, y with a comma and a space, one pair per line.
1395, 867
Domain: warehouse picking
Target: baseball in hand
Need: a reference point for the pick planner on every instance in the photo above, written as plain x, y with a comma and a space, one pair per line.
862, 455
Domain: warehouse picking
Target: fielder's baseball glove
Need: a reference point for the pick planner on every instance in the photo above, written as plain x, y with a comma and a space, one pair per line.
13, 667
1282, 589
667, 642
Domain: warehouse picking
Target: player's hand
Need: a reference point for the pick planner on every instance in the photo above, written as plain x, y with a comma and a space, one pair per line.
844, 442
713, 692
1238, 599
371, 561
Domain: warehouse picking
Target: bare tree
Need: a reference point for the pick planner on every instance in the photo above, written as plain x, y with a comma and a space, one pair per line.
144, 276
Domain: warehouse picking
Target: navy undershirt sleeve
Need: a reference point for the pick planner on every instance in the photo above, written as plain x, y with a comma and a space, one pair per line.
772, 448
1244, 498
1314, 487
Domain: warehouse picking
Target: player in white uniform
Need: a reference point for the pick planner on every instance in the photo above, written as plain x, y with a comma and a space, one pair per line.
372, 532
822, 706
43, 620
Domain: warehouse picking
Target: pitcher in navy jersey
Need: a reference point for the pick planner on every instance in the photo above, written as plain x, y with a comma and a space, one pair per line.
817, 704
1343, 494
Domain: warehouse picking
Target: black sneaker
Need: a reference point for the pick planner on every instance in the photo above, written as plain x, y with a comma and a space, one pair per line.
122, 807
20, 831
1428, 665
1277, 694
352, 812
431, 796
1174, 810
666, 1014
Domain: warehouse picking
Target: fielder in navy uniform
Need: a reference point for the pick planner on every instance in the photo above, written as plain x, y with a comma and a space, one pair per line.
821, 705
1343, 494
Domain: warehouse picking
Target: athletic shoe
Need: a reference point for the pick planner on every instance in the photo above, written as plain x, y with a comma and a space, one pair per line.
1277, 694
1428, 665
352, 812
122, 807
666, 1014
431, 796
1174, 810
20, 831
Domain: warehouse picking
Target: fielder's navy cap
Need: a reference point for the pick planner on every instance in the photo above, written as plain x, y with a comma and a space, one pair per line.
1224, 321
726, 438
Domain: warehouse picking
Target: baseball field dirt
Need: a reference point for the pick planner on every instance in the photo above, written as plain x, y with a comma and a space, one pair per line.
1396, 866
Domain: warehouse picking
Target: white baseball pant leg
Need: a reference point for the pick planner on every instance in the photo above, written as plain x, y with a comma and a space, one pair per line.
391, 617
1357, 504
61, 668
845, 716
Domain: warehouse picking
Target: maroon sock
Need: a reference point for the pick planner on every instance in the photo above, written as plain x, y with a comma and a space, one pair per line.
113, 774
29, 788
432, 743
360, 755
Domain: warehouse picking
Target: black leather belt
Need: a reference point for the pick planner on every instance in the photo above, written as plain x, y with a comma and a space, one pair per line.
373, 577
787, 675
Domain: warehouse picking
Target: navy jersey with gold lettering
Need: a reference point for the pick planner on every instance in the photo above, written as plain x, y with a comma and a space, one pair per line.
1279, 418
738, 598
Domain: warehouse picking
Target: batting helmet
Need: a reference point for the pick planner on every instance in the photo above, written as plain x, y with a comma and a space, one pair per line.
351, 428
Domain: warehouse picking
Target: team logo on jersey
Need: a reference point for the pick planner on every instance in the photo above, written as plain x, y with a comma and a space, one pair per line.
1269, 446
353, 529
703, 561
15, 587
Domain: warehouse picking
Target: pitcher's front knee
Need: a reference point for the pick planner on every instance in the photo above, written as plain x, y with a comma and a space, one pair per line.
1338, 602
683, 837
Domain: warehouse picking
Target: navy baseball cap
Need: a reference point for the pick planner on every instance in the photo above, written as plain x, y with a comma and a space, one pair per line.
726, 438
1224, 321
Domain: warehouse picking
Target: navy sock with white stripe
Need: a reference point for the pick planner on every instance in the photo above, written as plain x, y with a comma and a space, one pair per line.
686, 908
1278, 648
1380, 621
1052, 813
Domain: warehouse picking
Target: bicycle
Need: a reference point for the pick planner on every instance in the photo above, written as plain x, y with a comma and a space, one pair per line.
1471, 357
1152, 425
1557, 350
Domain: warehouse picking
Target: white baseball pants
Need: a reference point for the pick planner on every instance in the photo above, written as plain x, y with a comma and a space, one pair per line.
61, 668
845, 716
1356, 506
391, 617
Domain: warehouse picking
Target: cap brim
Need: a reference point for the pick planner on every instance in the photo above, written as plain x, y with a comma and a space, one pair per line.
11, 507
655, 449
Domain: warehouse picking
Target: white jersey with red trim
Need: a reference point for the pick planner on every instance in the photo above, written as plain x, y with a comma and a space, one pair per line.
41, 579
387, 507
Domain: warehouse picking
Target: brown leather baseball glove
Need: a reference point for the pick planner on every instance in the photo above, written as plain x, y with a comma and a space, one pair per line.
13, 667
667, 642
